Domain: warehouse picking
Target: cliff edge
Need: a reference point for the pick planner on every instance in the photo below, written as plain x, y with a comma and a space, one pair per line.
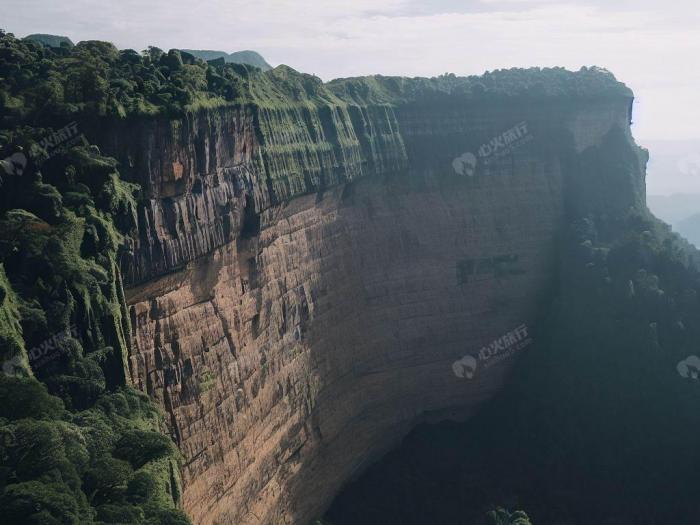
309, 270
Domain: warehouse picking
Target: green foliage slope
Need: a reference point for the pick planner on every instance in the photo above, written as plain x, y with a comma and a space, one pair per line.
77, 445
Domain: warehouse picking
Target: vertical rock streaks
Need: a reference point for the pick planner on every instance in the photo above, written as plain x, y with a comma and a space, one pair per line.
305, 276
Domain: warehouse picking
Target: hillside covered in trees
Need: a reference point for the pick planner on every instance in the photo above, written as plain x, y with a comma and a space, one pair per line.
77, 445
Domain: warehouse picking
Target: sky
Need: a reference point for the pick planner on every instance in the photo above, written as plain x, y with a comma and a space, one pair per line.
652, 46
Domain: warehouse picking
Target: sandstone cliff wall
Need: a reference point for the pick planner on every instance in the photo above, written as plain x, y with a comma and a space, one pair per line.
305, 278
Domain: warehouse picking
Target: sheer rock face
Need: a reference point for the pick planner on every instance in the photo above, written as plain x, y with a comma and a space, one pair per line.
298, 301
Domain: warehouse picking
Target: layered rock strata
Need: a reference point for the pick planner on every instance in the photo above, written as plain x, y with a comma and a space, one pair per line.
307, 274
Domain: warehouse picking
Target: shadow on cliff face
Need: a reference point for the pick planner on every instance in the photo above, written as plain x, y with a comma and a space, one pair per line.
599, 423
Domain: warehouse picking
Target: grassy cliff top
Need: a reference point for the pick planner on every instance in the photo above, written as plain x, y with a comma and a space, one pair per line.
93, 78
516, 83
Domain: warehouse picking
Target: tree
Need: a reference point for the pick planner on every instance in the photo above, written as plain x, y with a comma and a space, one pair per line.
141, 488
26, 397
501, 516
106, 475
141, 446
36, 502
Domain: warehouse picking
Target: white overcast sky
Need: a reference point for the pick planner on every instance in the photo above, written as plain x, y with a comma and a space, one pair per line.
653, 46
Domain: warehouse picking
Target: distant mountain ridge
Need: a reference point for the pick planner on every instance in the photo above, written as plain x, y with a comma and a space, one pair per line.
690, 229
50, 40
252, 58
249, 57
680, 210
674, 208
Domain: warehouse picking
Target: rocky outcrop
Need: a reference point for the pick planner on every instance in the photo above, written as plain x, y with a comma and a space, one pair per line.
307, 275
204, 176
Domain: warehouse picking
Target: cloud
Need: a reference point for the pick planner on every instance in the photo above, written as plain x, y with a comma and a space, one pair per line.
646, 44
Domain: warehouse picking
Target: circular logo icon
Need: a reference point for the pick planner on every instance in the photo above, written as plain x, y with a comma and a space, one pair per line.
465, 164
12, 366
689, 367
465, 367
690, 165
14, 164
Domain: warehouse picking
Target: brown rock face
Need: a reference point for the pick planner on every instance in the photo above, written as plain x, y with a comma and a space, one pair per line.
293, 334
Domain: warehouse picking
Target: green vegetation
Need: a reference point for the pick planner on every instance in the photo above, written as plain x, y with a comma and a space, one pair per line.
501, 516
500, 85
77, 445
61, 466
305, 128
95, 78
598, 424
600, 403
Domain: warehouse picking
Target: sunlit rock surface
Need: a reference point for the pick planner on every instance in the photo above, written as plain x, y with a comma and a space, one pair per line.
306, 275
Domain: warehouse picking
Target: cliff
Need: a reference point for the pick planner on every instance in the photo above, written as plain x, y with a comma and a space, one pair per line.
598, 420
307, 272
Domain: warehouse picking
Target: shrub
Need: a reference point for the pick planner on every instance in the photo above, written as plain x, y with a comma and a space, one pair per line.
141, 446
